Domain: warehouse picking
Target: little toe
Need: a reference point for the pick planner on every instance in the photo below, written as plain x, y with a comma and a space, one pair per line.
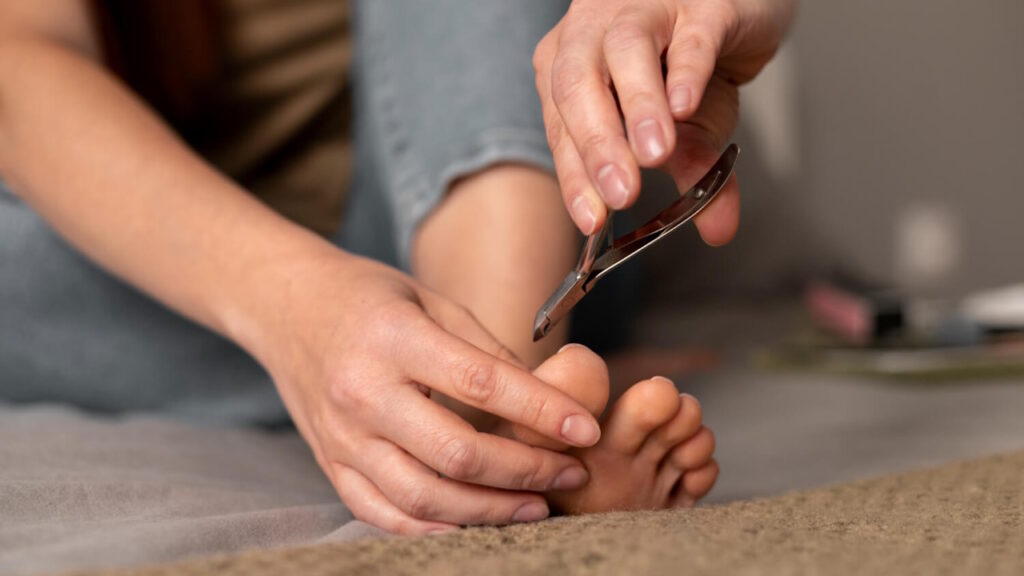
646, 406
682, 426
695, 452
697, 483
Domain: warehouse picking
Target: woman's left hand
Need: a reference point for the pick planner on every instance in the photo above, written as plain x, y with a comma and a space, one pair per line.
603, 62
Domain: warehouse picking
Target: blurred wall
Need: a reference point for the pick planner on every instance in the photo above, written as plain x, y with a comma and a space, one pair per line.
886, 140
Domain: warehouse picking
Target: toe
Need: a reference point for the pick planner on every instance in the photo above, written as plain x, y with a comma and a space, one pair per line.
643, 409
682, 426
695, 452
697, 483
669, 481
580, 373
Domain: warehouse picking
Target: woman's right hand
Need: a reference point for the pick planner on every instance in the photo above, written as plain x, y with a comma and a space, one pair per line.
354, 347
358, 348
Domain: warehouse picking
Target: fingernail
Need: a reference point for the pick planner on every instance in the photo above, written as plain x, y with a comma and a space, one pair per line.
571, 479
439, 531
679, 100
612, 183
583, 214
580, 430
650, 140
531, 512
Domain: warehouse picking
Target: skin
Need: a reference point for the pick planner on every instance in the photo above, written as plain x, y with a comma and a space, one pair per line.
602, 65
472, 249
354, 347
654, 453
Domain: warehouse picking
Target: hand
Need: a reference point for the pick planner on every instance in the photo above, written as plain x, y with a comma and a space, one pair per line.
603, 63
360, 348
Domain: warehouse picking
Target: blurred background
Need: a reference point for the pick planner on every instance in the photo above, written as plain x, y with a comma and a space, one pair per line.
880, 147
884, 139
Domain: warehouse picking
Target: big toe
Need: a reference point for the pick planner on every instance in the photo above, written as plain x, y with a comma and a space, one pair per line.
582, 375
640, 412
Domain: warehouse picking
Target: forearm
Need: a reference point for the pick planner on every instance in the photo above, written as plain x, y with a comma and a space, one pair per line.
499, 244
122, 188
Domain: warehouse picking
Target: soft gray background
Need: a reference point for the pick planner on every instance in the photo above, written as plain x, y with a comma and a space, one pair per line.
877, 115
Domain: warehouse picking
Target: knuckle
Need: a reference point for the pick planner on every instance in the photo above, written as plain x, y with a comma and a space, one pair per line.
418, 501
392, 322
528, 475
477, 382
345, 392
534, 408
641, 99
728, 14
695, 42
542, 55
555, 131
458, 459
625, 34
593, 141
568, 78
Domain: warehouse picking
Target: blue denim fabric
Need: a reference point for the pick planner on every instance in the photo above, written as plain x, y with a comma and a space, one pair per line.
443, 89
71, 333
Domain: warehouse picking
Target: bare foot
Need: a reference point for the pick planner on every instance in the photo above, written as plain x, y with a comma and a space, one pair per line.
654, 451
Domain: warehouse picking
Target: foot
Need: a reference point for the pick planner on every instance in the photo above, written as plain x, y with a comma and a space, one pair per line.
654, 450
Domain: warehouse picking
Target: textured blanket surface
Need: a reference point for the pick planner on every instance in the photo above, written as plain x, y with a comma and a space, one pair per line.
966, 517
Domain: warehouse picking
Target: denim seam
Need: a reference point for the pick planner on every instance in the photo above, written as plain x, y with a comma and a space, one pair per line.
490, 148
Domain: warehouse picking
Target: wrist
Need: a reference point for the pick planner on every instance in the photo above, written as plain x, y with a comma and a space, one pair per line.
259, 312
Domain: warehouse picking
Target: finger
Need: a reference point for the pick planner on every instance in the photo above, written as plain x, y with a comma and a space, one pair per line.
587, 209
445, 443
456, 319
586, 105
461, 371
367, 503
691, 58
699, 142
632, 49
585, 206
420, 493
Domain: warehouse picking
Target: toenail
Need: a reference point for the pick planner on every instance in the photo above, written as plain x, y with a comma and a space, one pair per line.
580, 431
690, 396
531, 512
663, 379
572, 345
570, 479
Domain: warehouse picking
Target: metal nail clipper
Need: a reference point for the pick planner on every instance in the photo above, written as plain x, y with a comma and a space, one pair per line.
601, 253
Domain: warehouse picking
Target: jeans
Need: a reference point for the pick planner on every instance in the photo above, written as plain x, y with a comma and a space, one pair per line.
443, 89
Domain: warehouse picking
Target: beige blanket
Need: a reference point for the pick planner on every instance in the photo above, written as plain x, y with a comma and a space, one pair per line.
965, 518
